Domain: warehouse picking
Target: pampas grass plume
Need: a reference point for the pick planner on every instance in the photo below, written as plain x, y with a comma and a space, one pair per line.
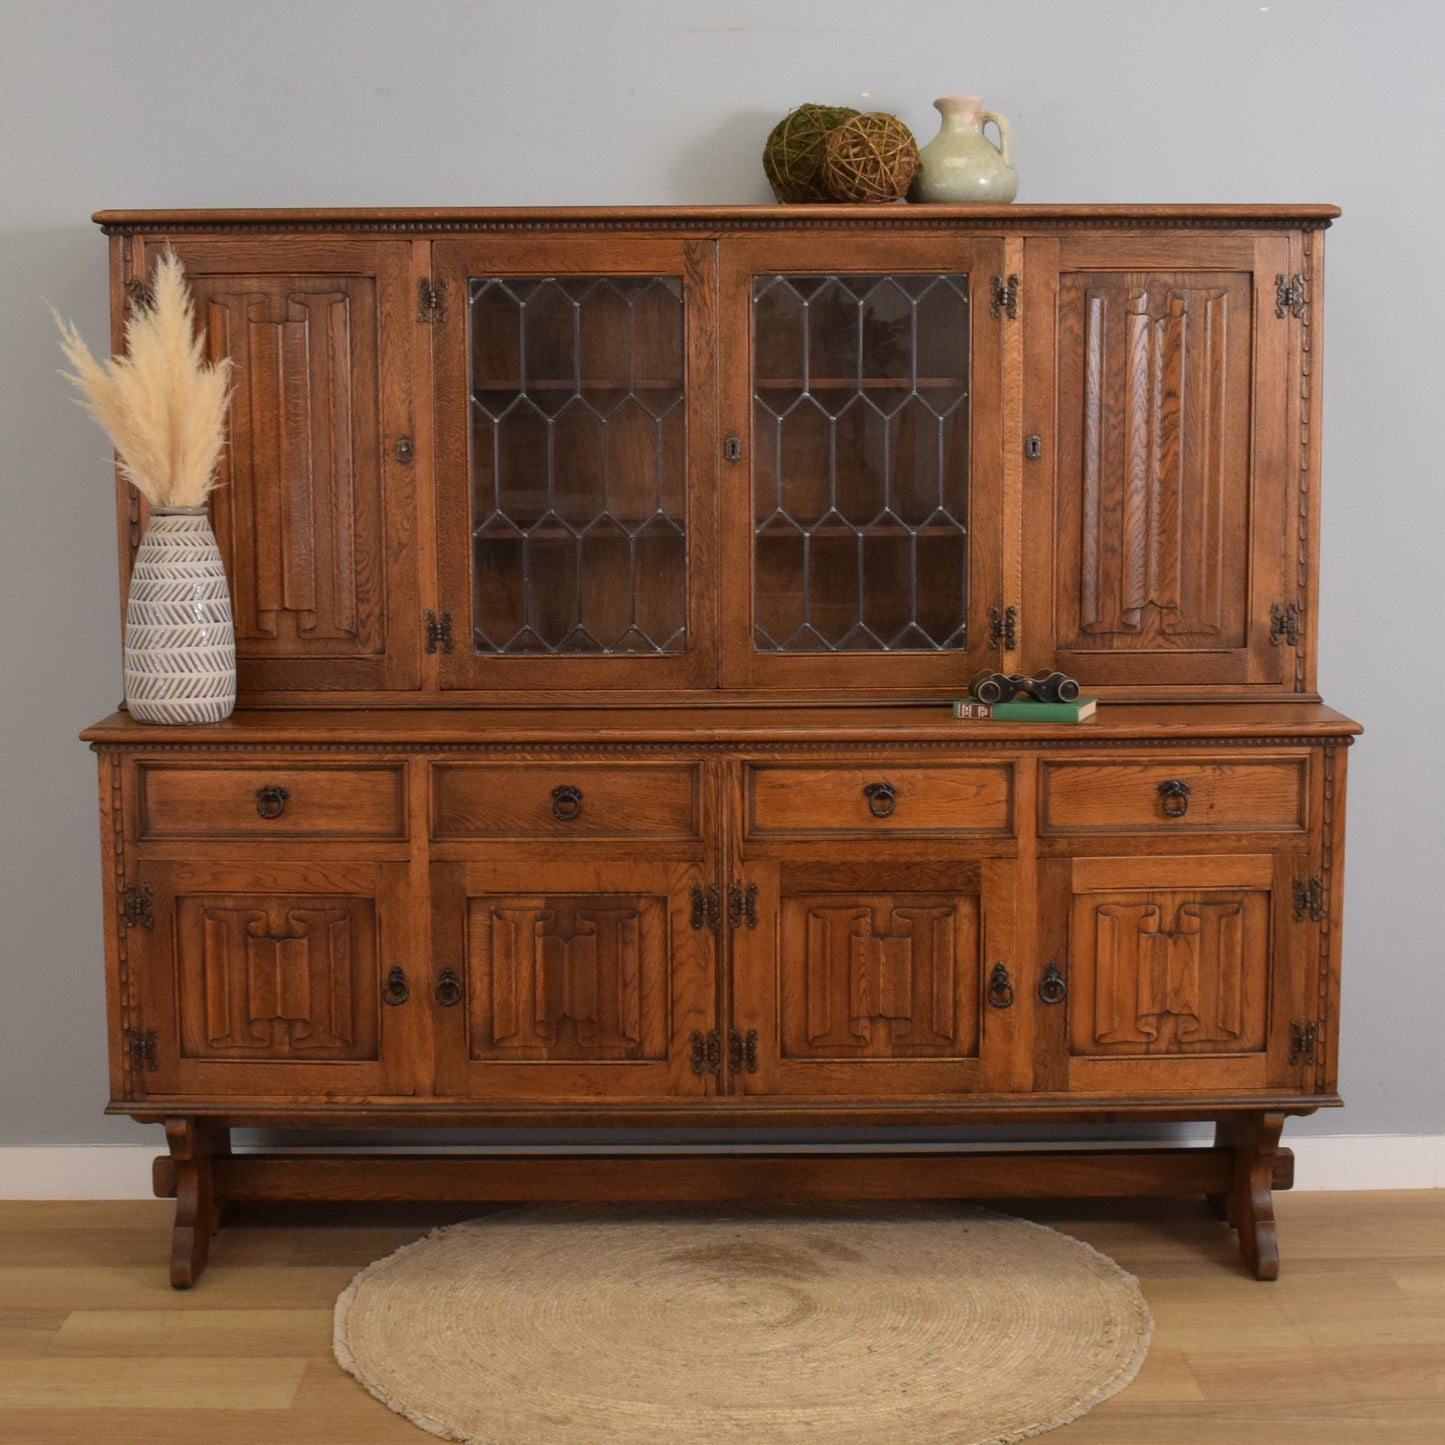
162, 405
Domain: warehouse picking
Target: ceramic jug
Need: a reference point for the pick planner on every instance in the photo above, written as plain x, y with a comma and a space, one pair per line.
960, 163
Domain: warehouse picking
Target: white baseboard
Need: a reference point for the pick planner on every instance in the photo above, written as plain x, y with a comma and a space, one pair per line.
1322, 1161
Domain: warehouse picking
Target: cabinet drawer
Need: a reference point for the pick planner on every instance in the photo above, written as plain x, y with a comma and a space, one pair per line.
562, 801
876, 798
269, 802
1157, 795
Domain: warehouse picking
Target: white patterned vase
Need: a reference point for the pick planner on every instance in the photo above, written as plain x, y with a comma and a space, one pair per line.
180, 643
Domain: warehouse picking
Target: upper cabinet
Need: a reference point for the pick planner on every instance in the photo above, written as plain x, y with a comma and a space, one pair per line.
758, 452
316, 512
862, 503
575, 446
1168, 509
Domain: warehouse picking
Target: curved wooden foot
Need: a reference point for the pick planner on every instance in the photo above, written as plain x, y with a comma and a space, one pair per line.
193, 1145
1250, 1204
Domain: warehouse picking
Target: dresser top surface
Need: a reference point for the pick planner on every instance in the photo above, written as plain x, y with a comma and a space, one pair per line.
877, 725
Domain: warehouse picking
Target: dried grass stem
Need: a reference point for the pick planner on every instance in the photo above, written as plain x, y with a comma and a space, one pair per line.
162, 405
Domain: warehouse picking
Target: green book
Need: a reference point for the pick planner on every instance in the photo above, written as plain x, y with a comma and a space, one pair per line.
1025, 709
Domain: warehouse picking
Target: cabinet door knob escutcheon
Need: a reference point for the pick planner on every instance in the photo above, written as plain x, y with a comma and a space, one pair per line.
1174, 794
271, 801
733, 448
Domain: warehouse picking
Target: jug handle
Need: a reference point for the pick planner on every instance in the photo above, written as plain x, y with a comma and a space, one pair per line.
1004, 148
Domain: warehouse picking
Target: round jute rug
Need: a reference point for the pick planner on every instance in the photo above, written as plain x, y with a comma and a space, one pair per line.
854, 1325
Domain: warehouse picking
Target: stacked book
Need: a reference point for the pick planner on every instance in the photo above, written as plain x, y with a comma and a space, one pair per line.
1026, 709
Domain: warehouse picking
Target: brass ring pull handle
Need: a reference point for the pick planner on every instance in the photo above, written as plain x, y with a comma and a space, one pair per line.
448, 989
881, 798
1000, 990
1174, 794
1052, 988
271, 801
566, 803
395, 990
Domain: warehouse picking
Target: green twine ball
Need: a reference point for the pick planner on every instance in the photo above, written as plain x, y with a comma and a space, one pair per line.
793, 155
869, 157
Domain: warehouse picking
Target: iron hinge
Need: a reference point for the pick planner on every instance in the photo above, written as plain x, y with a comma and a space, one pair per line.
1284, 623
1302, 1041
438, 632
1309, 899
706, 907
705, 1057
743, 905
1005, 297
743, 1051
1003, 629
142, 1049
1289, 295
431, 302
139, 296
138, 905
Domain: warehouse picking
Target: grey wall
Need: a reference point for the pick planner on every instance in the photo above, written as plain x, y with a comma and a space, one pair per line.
357, 102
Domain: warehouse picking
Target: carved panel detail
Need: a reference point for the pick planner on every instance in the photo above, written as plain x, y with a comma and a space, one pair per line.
1159, 373
298, 514
1166, 972
278, 978
568, 978
894, 976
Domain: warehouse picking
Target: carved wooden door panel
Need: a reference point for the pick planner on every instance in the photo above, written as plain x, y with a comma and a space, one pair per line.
570, 981
874, 979
1174, 975
576, 460
1163, 518
316, 510
265, 980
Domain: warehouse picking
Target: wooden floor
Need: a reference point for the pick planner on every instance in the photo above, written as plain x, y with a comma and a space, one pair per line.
95, 1347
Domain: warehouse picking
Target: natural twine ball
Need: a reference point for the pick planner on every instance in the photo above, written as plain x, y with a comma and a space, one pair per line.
870, 157
793, 154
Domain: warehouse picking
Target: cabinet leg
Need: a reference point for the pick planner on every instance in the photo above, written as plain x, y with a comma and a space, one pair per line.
1250, 1205
193, 1145
1223, 1139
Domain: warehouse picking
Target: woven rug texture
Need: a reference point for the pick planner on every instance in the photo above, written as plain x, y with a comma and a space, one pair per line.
847, 1325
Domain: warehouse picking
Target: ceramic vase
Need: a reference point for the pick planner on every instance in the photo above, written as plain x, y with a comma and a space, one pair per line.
180, 643
960, 163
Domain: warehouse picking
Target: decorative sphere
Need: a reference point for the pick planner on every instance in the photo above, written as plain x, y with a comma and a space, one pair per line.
870, 157
793, 155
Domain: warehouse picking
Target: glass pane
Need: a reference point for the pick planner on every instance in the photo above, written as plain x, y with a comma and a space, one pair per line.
860, 473
578, 465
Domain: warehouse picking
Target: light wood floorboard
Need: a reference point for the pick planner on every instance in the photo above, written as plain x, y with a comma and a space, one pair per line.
1346, 1348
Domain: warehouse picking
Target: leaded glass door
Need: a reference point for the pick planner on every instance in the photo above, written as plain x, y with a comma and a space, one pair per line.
576, 464
862, 514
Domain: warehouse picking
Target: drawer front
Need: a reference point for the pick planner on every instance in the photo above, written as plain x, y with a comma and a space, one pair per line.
562, 801
878, 798
284, 801
1159, 795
